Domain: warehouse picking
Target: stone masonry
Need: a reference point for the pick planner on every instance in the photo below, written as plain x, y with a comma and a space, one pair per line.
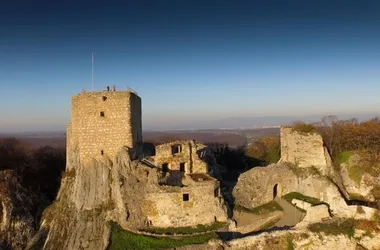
198, 202
304, 149
184, 156
103, 122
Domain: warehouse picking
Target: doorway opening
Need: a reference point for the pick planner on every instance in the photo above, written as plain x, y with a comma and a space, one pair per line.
275, 191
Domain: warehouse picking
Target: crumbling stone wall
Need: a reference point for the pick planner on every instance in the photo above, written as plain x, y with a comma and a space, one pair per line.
304, 149
102, 122
191, 205
187, 154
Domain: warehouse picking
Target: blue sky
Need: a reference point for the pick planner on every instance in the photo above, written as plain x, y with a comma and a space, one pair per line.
190, 61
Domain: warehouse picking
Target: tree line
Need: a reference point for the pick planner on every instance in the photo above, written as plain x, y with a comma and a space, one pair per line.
338, 136
39, 170
350, 135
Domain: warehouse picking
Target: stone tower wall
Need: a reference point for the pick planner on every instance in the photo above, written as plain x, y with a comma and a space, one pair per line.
303, 149
103, 122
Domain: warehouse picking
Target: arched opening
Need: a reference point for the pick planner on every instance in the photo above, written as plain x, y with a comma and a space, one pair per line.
275, 191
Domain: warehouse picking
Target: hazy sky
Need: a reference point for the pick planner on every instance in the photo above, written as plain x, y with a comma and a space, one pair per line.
189, 60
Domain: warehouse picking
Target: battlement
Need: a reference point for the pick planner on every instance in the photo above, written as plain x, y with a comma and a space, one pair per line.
103, 122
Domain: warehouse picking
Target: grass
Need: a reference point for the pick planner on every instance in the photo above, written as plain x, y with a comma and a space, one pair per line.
356, 196
263, 209
355, 173
303, 128
122, 239
302, 172
346, 227
295, 195
269, 224
290, 244
368, 225
368, 164
185, 230
344, 157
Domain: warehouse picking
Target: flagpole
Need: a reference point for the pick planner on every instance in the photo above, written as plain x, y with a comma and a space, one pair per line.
92, 71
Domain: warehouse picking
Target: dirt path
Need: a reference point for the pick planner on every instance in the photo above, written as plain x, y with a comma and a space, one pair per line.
245, 218
291, 214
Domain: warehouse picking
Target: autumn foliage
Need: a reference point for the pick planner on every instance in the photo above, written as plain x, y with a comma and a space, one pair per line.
266, 149
350, 135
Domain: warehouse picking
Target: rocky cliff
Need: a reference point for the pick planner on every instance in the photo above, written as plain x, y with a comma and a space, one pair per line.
92, 195
360, 177
260, 185
355, 239
16, 221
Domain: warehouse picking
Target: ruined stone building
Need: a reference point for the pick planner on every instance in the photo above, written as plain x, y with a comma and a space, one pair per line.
181, 193
304, 168
188, 195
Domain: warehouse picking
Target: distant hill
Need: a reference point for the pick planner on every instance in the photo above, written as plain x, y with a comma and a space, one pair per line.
253, 122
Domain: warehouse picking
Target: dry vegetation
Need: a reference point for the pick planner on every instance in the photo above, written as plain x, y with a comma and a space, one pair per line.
39, 169
350, 135
266, 149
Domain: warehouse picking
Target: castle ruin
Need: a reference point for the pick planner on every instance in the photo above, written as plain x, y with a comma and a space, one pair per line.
103, 122
179, 191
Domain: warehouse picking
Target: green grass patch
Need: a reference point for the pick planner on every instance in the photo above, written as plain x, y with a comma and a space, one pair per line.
303, 172
289, 241
344, 157
263, 209
356, 196
305, 128
346, 227
269, 224
295, 195
122, 239
355, 173
185, 230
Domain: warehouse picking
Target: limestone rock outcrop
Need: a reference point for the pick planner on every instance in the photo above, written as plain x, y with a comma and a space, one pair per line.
92, 195
297, 240
361, 182
16, 222
260, 185
315, 214
124, 191
300, 239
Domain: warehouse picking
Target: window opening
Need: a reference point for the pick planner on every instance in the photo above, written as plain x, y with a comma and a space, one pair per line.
165, 168
182, 167
176, 149
216, 192
185, 197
